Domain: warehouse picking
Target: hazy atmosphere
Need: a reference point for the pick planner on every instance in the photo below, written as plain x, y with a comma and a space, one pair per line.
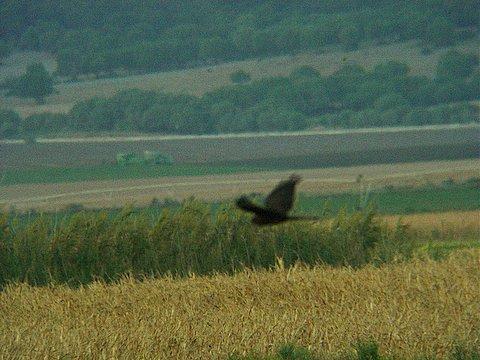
252, 179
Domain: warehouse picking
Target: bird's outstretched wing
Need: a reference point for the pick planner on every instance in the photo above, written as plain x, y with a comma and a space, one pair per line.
245, 204
281, 198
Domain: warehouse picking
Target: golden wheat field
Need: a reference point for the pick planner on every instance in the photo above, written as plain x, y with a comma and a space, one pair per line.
420, 307
449, 225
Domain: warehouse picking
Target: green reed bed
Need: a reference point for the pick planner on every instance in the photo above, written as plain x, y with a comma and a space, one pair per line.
196, 238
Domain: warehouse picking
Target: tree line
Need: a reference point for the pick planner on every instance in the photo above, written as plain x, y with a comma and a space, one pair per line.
386, 95
98, 36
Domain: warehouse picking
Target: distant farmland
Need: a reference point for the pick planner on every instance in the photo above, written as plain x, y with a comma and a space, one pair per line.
52, 194
292, 150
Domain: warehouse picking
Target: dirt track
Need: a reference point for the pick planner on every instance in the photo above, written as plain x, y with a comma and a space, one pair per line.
121, 192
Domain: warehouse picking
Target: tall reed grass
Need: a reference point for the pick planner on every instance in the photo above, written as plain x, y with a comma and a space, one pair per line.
193, 239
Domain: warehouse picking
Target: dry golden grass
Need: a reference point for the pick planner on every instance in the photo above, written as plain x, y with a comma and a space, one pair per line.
421, 307
450, 225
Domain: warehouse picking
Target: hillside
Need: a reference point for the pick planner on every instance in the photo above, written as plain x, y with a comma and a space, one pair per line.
100, 37
197, 81
248, 66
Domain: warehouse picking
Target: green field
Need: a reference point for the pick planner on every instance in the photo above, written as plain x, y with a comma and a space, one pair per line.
114, 172
387, 201
398, 200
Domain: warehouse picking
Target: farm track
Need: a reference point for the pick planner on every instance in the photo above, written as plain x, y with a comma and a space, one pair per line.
97, 194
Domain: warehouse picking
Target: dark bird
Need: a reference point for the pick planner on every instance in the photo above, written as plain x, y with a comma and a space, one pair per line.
277, 204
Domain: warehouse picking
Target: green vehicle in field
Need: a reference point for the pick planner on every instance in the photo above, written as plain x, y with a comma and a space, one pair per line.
148, 158
157, 158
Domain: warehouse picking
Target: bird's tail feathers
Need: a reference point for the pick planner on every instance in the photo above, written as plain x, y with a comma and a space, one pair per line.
246, 204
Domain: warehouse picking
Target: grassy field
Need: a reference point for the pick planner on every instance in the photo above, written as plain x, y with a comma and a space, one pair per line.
200, 80
420, 308
52, 175
398, 200
197, 281
444, 231
110, 171
387, 200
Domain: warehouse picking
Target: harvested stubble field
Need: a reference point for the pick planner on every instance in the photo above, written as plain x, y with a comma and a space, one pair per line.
197, 81
419, 308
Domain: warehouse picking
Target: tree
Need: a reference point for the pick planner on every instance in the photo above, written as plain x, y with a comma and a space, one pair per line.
133, 104
5, 48
456, 65
418, 90
239, 77
215, 47
473, 85
9, 124
344, 81
310, 96
390, 101
350, 37
439, 32
95, 114
451, 90
418, 116
43, 124
35, 83
275, 116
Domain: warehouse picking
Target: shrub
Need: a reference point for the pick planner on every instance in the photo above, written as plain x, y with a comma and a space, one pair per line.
35, 83
367, 350
9, 124
239, 77
439, 32
456, 65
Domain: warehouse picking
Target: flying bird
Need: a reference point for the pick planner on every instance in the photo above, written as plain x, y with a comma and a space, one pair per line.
277, 204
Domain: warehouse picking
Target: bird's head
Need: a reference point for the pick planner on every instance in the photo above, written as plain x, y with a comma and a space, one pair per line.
295, 178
